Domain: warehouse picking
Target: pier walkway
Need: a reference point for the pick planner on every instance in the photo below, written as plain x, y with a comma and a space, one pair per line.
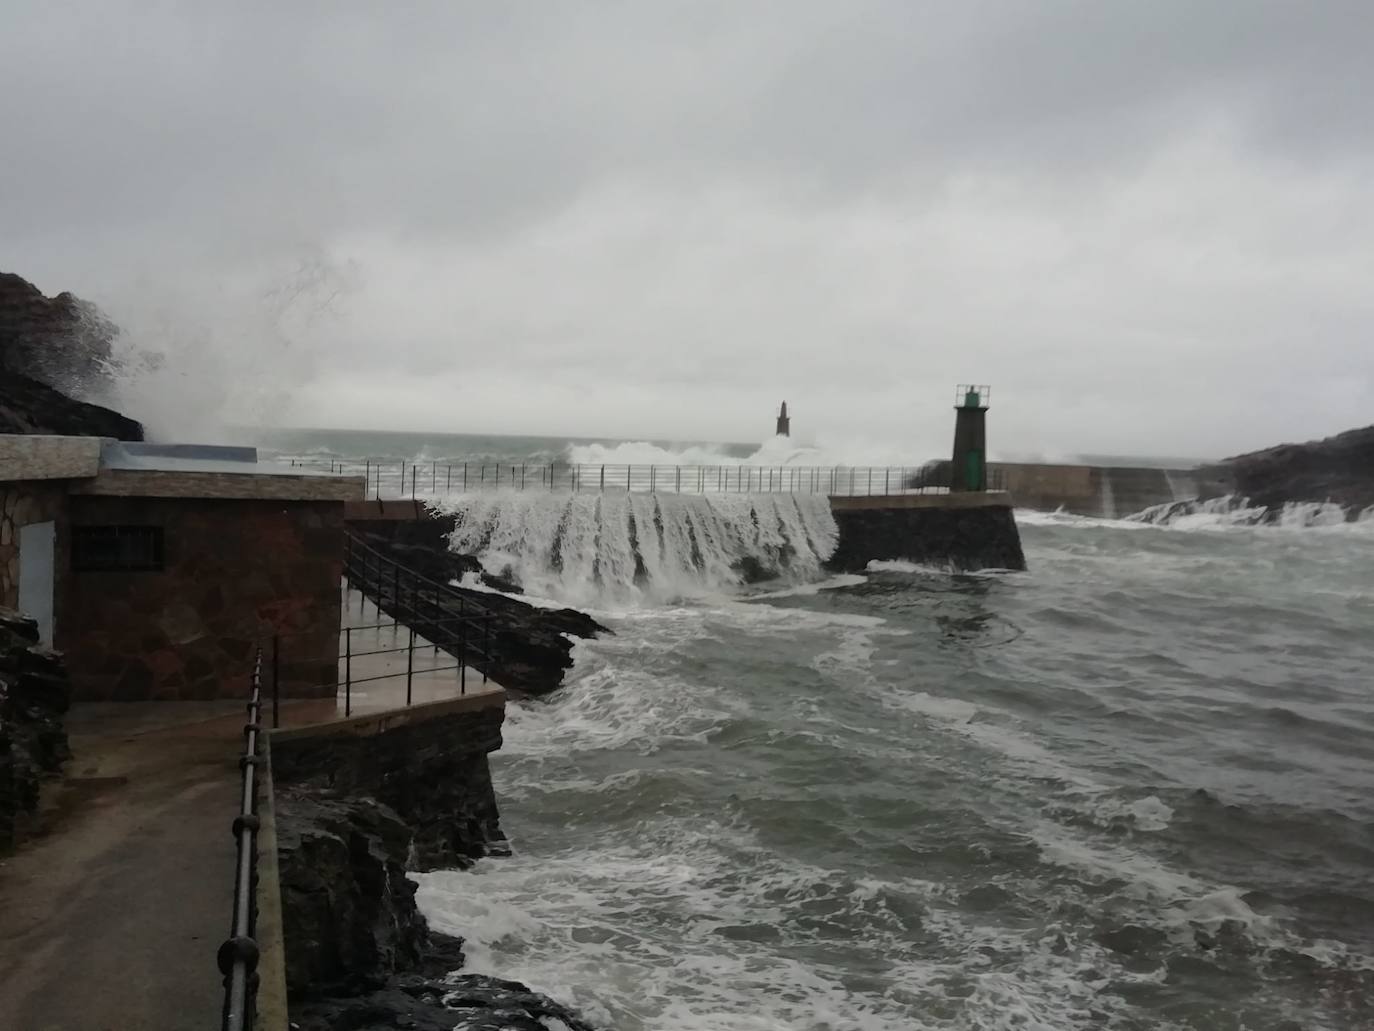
111, 917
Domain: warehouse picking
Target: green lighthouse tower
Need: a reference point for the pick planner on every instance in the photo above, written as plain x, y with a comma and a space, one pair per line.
969, 469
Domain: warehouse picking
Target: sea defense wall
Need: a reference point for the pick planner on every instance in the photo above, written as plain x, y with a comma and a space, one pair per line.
962, 532
1106, 492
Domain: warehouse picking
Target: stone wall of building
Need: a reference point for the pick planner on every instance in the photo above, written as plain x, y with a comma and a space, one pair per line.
23, 503
234, 573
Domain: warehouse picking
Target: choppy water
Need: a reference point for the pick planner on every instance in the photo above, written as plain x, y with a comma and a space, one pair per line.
1132, 788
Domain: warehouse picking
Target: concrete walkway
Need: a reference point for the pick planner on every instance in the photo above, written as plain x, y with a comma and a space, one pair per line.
111, 918
110, 921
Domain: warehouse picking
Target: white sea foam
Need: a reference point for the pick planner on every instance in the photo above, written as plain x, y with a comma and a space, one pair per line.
691, 918
591, 548
775, 451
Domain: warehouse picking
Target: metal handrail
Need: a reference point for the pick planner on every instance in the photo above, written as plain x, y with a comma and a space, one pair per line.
352, 542
390, 572
238, 956
400, 478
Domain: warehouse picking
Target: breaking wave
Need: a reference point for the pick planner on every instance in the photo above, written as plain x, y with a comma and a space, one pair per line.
1237, 510
776, 451
594, 548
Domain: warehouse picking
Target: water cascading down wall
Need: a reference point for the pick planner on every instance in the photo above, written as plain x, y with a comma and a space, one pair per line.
616, 545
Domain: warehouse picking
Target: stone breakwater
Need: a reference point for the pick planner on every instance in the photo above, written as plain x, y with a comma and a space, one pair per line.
356, 810
34, 697
963, 532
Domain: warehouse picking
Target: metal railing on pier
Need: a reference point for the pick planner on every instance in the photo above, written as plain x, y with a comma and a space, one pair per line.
401, 479
238, 956
425, 609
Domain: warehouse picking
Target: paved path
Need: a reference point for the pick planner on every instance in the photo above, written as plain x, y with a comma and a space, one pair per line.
110, 921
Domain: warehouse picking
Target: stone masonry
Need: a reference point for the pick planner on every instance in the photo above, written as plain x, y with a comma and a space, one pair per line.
21, 504
235, 572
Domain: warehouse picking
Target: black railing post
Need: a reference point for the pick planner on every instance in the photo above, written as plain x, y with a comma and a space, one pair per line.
413, 470
410, 663
238, 955
276, 680
462, 647
348, 671
486, 646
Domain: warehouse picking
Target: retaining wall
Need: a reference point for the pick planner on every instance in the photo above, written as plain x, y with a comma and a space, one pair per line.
957, 531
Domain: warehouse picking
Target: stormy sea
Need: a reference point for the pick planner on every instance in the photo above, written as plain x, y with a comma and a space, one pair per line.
1130, 788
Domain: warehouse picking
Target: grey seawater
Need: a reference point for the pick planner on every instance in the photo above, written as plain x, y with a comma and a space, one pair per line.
1133, 788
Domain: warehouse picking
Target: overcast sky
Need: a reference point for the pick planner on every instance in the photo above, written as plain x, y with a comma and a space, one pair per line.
1150, 225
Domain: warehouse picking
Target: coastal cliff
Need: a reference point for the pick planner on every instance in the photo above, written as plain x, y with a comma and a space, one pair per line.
1337, 469
53, 351
355, 811
359, 954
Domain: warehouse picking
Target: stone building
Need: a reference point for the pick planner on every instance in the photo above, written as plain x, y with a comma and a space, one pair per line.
159, 569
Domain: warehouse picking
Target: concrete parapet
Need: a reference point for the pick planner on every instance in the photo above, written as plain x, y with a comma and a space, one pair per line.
962, 532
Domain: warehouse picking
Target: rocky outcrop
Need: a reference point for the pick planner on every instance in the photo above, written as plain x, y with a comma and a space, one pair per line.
34, 696
464, 1002
347, 905
52, 351
531, 646
359, 954
28, 406
1338, 469
62, 341
431, 773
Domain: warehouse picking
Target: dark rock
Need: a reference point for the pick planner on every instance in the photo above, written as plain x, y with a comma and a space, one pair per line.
530, 644
28, 406
1339, 469
359, 955
347, 905
62, 341
34, 697
464, 1002
432, 774
52, 351
751, 570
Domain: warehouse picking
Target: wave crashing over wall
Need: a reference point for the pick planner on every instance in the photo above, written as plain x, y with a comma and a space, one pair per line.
1236, 510
595, 547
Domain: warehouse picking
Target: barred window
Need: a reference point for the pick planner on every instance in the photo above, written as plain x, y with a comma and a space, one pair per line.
130, 549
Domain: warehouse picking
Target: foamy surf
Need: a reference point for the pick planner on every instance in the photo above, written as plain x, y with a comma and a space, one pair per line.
590, 548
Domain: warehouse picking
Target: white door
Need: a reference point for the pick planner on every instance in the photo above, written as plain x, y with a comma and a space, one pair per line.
36, 575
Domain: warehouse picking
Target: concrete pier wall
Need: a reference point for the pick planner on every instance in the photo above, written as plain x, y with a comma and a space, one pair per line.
1107, 492
956, 531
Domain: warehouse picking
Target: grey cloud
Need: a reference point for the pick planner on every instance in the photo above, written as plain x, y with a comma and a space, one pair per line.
1150, 204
